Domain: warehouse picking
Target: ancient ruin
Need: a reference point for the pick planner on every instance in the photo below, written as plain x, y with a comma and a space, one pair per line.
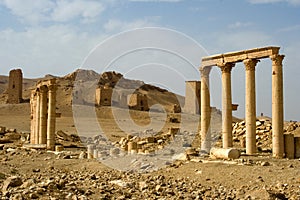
226, 62
104, 96
15, 86
138, 101
192, 97
43, 114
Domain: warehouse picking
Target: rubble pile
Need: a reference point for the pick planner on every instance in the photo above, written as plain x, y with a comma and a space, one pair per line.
263, 132
9, 135
62, 137
50, 181
136, 144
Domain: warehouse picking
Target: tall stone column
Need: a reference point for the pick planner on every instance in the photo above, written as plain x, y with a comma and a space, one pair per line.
51, 117
277, 106
33, 117
250, 106
43, 115
205, 110
37, 118
226, 104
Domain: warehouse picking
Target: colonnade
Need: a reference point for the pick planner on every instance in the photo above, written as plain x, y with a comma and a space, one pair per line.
226, 62
43, 114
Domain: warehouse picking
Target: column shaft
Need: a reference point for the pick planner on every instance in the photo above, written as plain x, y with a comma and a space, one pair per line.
250, 106
37, 118
51, 118
226, 105
32, 117
277, 106
205, 111
43, 115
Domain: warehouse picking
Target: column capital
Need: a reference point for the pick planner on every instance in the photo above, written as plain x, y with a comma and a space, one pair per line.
226, 67
250, 64
52, 88
205, 71
43, 89
277, 59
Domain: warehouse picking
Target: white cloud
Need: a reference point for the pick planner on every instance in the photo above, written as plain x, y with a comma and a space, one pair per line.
56, 49
67, 10
34, 12
31, 12
170, 1
292, 2
115, 25
240, 25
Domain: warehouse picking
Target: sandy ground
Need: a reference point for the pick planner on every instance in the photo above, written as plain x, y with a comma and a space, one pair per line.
256, 177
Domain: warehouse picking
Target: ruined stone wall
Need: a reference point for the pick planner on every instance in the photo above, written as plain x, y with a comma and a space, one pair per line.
15, 86
104, 96
192, 97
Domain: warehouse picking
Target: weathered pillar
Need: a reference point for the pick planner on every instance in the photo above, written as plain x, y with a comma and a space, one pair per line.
90, 151
33, 117
43, 115
205, 110
37, 117
277, 106
226, 104
51, 117
250, 106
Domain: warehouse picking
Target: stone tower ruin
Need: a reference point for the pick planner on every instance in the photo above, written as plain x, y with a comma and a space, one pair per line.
192, 97
104, 96
15, 86
138, 101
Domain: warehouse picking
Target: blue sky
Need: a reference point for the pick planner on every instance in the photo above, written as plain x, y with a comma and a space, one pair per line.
55, 36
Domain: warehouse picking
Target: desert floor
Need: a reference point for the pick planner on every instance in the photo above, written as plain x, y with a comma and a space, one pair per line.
39, 174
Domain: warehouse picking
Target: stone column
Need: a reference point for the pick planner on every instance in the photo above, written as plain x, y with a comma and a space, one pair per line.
250, 106
32, 117
205, 110
90, 151
51, 117
277, 106
37, 117
226, 104
43, 115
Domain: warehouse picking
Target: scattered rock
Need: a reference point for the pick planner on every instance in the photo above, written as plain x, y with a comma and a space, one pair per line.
12, 181
82, 155
265, 164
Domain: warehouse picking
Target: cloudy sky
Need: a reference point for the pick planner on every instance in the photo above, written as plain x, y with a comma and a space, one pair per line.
58, 36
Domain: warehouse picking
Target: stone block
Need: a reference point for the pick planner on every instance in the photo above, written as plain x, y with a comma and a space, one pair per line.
2, 130
289, 146
297, 146
59, 148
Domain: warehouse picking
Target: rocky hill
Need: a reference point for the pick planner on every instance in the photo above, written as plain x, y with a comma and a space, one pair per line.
112, 79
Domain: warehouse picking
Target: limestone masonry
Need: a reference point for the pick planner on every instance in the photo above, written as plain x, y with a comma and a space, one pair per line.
104, 96
138, 101
226, 62
15, 86
192, 97
43, 114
